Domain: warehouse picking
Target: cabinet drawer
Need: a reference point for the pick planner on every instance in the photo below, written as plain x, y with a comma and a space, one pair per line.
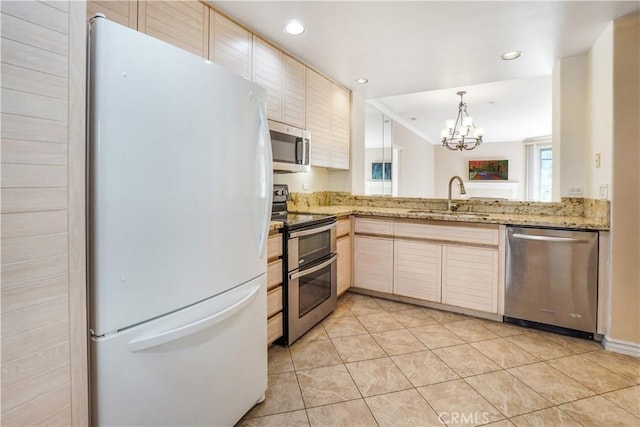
481, 235
274, 246
274, 328
274, 273
343, 227
274, 301
374, 226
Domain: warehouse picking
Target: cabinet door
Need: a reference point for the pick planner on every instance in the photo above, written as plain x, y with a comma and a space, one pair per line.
293, 93
470, 277
184, 24
319, 118
122, 12
373, 263
343, 248
340, 121
417, 269
229, 44
267, 72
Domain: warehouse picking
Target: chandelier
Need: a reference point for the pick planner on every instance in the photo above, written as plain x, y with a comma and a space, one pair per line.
456, 136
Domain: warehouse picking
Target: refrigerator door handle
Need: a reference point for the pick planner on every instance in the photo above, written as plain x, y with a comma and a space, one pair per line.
266, 177
163, 337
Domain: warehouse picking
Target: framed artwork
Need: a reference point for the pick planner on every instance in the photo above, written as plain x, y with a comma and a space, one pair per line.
381, 171
488, 170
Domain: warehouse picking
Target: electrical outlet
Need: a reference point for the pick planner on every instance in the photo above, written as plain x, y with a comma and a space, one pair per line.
604, 191
575, 191
305, 185
597, 160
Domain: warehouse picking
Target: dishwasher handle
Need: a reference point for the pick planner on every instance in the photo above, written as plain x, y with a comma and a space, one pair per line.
548, 238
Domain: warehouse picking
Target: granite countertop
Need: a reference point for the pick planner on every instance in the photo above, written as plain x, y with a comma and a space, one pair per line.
576, 222
275, 225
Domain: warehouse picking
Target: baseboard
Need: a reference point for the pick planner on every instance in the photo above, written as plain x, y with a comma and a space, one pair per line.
623, 347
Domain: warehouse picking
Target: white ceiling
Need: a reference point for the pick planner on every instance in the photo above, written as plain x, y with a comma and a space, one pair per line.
417, 46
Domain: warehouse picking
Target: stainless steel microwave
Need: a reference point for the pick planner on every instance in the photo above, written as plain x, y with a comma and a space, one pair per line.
290, 147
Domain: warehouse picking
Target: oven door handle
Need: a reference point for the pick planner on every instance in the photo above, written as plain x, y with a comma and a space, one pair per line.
311, 231
313, 269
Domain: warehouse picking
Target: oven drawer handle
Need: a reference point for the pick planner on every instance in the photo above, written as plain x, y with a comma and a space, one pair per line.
311, 231
297, 274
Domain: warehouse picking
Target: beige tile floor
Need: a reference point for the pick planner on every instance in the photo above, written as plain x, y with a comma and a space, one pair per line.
377, 362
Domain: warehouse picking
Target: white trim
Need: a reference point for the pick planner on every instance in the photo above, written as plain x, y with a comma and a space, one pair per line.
397, 118
623, 347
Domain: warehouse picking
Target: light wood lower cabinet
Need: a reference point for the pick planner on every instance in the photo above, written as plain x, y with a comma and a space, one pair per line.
274, 288
456, 265
274, 328
373, 263
343, 248
470, 277
417, 270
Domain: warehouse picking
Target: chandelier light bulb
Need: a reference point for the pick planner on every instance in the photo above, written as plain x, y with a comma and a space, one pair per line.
450, 124
464, 131
444, 133
468, 121
479, 132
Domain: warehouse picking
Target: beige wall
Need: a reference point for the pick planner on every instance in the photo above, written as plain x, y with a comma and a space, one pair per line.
625, 209
600, 111
416, 177
43, 309
569, 118
449, 163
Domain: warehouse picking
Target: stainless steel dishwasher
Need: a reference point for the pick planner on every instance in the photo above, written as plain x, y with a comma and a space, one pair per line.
552, 279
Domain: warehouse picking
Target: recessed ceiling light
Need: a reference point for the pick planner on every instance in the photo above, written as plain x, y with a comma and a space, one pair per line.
294, 28
361, 81
511, 55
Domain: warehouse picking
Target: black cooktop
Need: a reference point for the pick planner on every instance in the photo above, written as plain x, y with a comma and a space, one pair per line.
294, 221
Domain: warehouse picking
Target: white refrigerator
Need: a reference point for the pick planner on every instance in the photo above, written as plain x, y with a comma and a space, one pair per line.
179, 198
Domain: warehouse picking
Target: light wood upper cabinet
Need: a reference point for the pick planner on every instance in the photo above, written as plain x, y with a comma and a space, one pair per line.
293, 93
328, 120
122, 12
319, 117
267, 72
184, 24
284, 79
229, 44
340, 120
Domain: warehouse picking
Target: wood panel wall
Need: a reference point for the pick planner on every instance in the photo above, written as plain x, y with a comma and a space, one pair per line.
43, 289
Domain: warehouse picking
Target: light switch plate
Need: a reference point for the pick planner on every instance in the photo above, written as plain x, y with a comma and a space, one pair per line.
597, 160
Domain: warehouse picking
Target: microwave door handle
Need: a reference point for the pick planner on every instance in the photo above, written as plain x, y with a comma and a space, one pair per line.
311, 231
306, 272
305, 151
299, 159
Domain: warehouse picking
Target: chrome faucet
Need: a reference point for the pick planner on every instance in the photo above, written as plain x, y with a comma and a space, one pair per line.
451, 206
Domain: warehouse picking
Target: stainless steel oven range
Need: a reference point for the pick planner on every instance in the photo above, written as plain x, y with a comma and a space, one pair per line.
310, 267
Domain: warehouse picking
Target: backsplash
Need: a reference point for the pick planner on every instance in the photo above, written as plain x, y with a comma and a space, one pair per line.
569, 206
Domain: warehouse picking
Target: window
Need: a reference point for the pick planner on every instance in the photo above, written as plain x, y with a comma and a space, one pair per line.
539, 160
